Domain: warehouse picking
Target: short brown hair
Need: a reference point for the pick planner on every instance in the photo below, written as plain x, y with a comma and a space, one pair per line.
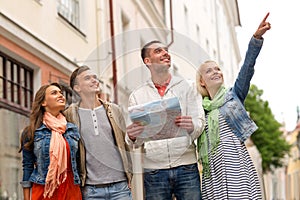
145, 49
76, 72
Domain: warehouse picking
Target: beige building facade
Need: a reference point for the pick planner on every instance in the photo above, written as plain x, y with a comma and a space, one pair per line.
293, 166
49, 39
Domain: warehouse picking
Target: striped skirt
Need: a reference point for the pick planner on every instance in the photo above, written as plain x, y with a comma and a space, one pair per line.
232, 173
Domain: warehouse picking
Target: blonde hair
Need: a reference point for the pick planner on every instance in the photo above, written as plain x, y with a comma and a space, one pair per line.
201, 89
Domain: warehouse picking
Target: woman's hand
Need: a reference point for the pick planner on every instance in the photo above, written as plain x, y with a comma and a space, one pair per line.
263, 27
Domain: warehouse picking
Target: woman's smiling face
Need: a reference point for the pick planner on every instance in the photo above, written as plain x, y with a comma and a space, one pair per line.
211, 75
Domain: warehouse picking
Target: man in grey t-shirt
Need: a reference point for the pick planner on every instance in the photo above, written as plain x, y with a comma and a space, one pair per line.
105, 164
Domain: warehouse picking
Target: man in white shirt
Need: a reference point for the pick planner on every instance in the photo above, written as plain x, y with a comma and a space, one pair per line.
170, 165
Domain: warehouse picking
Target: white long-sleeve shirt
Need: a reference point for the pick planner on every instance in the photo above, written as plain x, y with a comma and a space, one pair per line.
169, 153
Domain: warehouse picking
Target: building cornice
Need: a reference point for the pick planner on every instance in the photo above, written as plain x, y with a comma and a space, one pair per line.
27, 40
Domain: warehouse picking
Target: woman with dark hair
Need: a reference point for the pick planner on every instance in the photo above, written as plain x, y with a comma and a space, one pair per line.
49, 148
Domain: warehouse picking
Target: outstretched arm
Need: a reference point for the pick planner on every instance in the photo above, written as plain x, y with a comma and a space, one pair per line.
242, 83
263, 27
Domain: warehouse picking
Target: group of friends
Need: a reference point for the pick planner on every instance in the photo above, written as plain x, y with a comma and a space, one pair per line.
83, 151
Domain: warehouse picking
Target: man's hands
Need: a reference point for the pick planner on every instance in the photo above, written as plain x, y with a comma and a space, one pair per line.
184, 122
263, 27
134, 130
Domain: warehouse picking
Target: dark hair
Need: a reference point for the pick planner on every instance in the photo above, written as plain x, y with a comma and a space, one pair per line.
145, 49
75, 73
36, 117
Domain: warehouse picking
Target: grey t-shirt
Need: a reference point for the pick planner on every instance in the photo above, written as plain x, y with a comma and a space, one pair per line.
103, 160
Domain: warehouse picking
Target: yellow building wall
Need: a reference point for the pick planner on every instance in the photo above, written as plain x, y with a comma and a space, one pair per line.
293, 169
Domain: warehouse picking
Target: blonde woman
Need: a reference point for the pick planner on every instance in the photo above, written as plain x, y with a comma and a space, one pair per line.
228, 171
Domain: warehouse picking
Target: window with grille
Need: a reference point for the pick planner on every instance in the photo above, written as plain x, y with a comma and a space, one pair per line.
16, 85
69, 10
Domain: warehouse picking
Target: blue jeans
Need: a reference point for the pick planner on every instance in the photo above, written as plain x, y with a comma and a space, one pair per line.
116, 191
183, 182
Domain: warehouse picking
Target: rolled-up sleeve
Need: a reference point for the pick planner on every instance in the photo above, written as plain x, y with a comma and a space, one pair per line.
28, 166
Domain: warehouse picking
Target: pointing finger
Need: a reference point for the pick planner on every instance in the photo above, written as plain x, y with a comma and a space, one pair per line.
265, 18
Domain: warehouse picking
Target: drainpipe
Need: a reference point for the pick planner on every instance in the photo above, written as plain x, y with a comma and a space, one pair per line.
171, 24
217, 33
114, 64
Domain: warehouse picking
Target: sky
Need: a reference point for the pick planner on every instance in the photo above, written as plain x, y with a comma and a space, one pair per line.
277, 69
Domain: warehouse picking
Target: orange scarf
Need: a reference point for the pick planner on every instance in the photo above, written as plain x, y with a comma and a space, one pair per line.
57, 170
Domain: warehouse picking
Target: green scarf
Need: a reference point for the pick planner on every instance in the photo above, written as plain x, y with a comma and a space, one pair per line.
212, 106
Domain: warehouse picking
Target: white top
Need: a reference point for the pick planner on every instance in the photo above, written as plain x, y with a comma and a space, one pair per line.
169, 153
